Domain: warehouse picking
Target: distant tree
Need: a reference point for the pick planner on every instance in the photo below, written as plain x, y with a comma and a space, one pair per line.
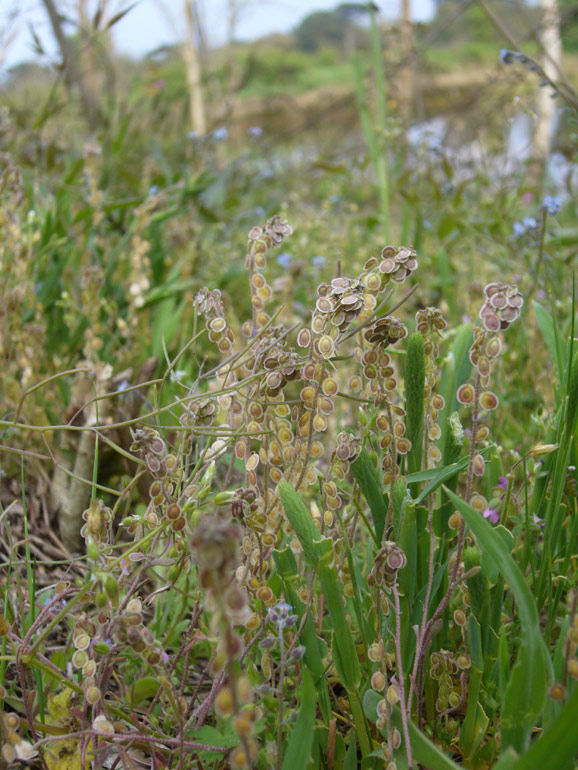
470, 24
73, 75
331, 28
569, 24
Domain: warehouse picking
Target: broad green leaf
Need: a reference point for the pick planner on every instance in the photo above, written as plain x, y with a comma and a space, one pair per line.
414, 377
526, 691
288, 569
350, 761
318, 551
367, 477
300, 518
507, 761
552, 337
436, 477
454, 375
301, 738
143, 689
558, 746
423, 750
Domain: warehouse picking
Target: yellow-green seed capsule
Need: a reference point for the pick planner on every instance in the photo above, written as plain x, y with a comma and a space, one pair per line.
92, 550
224, 704
557, 692
93, 694
111, 588
392, 694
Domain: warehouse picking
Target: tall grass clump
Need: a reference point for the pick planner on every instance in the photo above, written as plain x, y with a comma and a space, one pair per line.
309, 548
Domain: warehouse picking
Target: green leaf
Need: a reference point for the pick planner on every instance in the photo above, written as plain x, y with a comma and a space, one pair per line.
143, 689
558, 746
507, 761
423, 750
526, 690
552, 337
301, 738
212, 737
302, 522
350, 761
346, 660
438, 476
318, 551
367, 477
455, 375
288, 569
414, 398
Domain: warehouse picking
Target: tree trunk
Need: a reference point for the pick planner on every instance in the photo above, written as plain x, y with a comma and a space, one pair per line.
194, 74
552, 47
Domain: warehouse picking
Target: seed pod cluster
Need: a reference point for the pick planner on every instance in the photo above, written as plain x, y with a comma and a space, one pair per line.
388, 561
430, 324
502, 307
445, 670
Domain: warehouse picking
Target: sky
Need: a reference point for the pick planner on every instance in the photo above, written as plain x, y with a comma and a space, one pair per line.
152, 23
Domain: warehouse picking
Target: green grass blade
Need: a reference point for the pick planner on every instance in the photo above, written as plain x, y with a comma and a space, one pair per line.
552, 338
288, 569
526, 691
423, 750
366, 475
558, 746
311, 539
414, 399
301, 738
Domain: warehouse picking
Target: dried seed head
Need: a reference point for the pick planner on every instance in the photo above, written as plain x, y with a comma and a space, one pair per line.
502, 306
304, 338
378, 681
479, 465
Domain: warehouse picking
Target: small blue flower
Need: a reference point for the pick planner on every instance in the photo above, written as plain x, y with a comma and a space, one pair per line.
318, 262
220, 134
284, 259
530, 223
519, 230
123, 386
255, 131
154, 189
552, 204
506, 57
192, 135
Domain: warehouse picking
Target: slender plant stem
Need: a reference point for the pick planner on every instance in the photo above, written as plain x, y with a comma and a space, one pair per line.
402, 702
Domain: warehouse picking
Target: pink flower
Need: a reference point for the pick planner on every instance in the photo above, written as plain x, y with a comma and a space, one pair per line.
492, 514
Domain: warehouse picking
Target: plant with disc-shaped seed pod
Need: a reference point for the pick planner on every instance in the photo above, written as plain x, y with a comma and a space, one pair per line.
501, 308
